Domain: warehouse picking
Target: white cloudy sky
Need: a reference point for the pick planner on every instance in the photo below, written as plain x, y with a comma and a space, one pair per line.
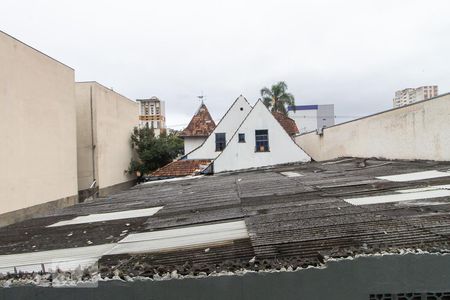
353, 53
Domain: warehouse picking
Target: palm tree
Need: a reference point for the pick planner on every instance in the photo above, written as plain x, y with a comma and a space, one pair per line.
277, 98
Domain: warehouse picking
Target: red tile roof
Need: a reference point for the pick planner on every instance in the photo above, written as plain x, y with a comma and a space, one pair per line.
201, 124
287, 123
182, 167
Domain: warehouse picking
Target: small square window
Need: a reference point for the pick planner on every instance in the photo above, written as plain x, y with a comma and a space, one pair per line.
241, 137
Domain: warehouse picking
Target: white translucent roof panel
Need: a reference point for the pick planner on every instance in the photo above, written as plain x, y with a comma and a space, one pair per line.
402, 196
126, 214
291, 174
186, 237
415, 176
64, 259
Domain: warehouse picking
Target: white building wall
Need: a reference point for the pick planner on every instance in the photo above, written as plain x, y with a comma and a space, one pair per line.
228, 124
417, 131
192, 142
311, 117
238, 156
306, 120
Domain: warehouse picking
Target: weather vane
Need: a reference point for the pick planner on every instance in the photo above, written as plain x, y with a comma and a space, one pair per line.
201, 97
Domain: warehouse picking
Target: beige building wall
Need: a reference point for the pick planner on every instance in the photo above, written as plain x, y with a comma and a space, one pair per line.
417, 131
37, 129
113, 119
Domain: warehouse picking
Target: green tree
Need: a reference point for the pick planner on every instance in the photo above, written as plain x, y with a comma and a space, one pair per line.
153, 152
277, 98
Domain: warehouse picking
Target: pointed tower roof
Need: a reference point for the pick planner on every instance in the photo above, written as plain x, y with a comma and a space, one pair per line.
201, 124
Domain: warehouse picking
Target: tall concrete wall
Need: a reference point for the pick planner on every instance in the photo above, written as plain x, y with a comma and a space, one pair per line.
417, 131
113, 119
37, 129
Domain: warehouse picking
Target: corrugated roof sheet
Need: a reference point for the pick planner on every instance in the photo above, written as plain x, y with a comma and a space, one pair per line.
291, 221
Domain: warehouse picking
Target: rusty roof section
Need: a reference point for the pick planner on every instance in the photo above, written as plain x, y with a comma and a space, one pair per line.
287, 123
201, 124
183, 167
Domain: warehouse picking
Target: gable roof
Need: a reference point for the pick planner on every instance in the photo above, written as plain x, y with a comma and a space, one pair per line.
201, 124
287, 123
229, 159
182, 168
228, 124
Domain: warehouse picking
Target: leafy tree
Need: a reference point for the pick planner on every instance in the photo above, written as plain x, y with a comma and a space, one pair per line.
277, 98
153, 152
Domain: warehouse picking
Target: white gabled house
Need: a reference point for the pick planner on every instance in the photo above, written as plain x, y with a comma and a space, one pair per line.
224, 130
259, 141
246, 137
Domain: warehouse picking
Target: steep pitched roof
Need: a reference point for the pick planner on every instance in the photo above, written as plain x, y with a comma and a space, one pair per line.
182, 168
283, 149
287, 123
201, 124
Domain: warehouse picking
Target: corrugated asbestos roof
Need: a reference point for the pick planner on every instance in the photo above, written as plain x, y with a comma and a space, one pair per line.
283, 220
201, 124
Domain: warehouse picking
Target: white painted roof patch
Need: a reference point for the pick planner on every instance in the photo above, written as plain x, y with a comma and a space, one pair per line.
415, 176
118, 215
404, 195
291, 174
72, 258
63, 259
181, 238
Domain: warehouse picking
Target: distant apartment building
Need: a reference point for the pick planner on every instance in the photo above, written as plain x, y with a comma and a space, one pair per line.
312, 117
152, 113
411, 95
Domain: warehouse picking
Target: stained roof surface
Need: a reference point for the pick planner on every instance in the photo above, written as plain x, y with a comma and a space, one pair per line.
201, 124
285, 216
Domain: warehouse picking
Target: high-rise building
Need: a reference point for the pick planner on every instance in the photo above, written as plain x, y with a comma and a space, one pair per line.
152, 113
312, 117
411, 95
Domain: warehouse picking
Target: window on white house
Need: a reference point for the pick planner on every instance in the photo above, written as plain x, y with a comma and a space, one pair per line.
262, 140
220, 141
241, 138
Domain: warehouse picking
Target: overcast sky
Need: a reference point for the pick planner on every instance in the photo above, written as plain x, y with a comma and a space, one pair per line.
354, 54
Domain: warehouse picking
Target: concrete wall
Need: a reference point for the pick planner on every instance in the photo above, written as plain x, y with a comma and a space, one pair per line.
238, 156
228, 125
114, 117
352, 279
37, 127
417, 131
